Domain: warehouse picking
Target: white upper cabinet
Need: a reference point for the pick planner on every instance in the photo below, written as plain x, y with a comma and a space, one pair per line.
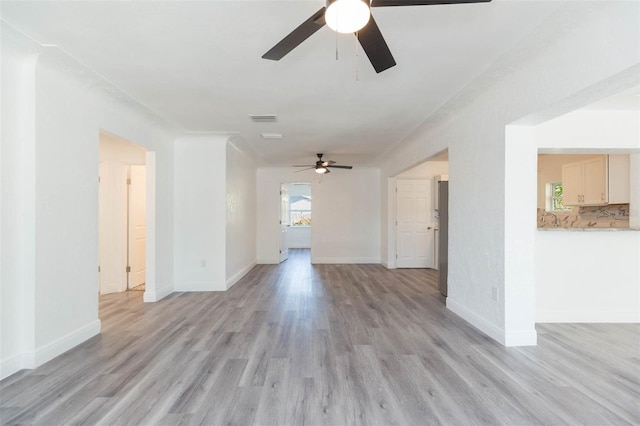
597, 181
572, 184
619, 179
595, 187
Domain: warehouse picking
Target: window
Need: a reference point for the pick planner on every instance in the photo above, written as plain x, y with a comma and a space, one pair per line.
300, 210
555, 197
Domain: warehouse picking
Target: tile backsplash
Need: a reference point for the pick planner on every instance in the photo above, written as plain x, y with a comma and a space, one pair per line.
610, 216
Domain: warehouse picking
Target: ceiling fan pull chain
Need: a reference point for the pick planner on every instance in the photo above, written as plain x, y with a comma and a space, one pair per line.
336, 45
357, 61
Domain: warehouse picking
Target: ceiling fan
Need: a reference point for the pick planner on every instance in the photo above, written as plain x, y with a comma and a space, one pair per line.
352, 16
322, 167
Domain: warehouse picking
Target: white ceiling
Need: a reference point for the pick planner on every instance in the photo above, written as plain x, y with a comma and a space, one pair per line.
627, 100
198, 65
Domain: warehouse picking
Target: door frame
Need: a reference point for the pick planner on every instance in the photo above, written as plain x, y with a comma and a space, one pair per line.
151, 293
284, 223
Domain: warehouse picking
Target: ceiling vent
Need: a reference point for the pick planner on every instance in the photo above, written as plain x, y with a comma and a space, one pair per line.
263, 118
271, 135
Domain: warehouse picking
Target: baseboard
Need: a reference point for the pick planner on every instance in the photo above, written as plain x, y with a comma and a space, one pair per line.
159, 294
11, 366
345, 260
587, 317
45, 353
57, 347
267, 261
238, 276
389, 265
491, 330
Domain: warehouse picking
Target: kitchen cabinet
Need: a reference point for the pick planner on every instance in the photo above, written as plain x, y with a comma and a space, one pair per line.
619, 179
596, 181
585, 183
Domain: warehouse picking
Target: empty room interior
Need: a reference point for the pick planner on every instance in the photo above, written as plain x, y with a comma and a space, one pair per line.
339, 212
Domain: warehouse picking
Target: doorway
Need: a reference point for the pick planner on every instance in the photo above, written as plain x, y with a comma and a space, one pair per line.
122, 215
295, 218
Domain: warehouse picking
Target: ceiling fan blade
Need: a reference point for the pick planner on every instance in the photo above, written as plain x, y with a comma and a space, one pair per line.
386, 3
297, 36
375, 47
304, 165
340, 167
302, 170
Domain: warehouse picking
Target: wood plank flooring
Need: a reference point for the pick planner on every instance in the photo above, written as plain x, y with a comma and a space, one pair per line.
296, 344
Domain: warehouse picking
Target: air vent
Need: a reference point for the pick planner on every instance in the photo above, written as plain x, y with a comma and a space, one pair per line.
271, 135
263, 118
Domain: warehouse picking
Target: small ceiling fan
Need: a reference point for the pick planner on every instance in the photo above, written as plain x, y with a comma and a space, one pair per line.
322, 167
352, 16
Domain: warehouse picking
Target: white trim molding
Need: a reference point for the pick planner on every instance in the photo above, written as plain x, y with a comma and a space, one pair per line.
51, 350
477, 321
151, 296
12, 365
45, 353
241, 273
504, 337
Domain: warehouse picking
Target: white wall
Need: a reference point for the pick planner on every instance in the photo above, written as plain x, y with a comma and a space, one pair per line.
299, 237
200, 213
17, 147
611, 131
241, 215
346, 216
588, 276
57, 231
487, 218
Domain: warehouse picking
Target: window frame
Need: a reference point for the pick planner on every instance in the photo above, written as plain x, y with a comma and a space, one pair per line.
555, 202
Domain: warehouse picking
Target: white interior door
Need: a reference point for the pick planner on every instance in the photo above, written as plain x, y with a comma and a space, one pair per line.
284, 222
414, 225
112, 234
137, 228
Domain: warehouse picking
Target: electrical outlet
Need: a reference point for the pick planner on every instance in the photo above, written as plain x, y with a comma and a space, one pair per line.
494, 293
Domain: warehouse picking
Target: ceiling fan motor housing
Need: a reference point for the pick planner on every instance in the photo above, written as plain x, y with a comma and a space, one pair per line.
367, 2
347, 16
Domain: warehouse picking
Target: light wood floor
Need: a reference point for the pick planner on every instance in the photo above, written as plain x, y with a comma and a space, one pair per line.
296, 344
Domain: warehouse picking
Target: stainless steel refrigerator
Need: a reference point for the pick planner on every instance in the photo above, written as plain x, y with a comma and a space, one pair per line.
443, 229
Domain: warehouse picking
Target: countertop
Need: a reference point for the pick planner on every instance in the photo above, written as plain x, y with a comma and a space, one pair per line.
588, 229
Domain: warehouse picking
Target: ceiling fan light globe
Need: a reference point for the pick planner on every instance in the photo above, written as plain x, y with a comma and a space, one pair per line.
321, 170
347, 16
